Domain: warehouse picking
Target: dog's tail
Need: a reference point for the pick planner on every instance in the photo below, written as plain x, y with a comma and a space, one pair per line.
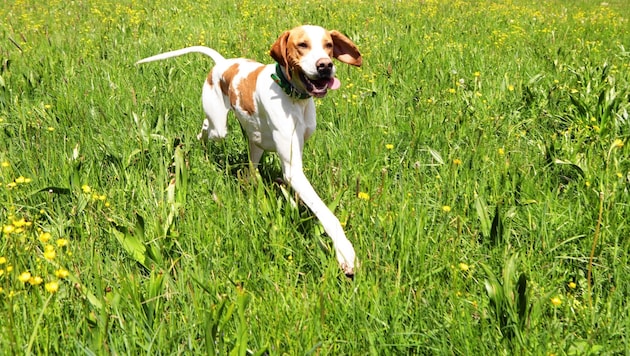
216, 57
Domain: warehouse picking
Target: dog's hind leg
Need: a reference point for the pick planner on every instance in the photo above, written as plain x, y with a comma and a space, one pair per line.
215, 107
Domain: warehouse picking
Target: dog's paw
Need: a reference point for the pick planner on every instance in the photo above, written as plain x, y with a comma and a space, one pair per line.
203, 135
348, 270
346, 258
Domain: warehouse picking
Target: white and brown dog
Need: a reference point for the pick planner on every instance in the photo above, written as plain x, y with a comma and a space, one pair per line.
274, 105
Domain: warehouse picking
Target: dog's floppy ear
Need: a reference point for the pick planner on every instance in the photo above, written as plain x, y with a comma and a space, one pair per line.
279, 52
345, 50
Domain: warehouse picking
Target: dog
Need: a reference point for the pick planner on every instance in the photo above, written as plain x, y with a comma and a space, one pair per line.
274, 105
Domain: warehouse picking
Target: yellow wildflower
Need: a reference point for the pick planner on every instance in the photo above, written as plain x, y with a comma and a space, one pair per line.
44, 237
5, 164
389, 146
8, 229
86, 189
52, 287
501, 151
35, 280
617, 143
510, 87
463, 267
363, 196
21, 223
572, 285
556, 301
446, 208
49, 252
62, 273
62, 242
457, 161
24, 277
3, 260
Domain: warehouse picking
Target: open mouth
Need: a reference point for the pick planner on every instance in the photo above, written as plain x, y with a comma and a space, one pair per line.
319, 87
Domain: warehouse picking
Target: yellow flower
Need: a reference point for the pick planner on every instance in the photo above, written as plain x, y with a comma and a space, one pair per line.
446, 208
3, 260
44, 237
21, 223
49, 252
5, 164
363, 196
463, 267
477, 74
8, 229
617, 143
457, 161
24, 277
452, 90
62, 242
572, 285
22, 180
510, 87
62, 273
389, 146
52, 287
501, 151
86, 189
556, 301
35, 281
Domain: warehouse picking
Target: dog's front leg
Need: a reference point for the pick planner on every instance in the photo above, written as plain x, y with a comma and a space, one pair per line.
344, 251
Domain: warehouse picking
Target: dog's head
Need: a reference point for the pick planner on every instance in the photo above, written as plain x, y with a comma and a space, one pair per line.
306, 54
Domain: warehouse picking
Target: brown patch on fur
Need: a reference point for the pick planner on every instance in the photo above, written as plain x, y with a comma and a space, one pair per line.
246, 89
209, 79
226, 83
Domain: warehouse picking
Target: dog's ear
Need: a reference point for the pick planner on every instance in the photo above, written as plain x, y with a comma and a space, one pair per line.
279, 52
345, 50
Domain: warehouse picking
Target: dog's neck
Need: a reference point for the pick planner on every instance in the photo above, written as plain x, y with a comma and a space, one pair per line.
280, 78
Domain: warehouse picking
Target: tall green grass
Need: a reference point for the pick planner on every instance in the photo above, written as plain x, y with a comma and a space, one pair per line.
478, 160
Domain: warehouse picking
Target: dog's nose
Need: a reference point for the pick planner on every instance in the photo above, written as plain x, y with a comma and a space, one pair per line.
324, 67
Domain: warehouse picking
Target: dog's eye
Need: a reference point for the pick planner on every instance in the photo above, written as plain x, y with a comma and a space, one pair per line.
303, 45
328, 45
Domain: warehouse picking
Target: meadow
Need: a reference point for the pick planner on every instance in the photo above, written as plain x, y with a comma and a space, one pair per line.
478, 162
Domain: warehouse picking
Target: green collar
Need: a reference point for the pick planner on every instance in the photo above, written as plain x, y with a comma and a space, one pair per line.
286, 86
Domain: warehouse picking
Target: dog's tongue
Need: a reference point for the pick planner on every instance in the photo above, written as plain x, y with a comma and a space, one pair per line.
334, 83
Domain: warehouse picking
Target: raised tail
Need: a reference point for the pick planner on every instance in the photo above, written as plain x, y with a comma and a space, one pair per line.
216, 57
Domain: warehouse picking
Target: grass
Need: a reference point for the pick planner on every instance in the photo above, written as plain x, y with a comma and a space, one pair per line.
478, 160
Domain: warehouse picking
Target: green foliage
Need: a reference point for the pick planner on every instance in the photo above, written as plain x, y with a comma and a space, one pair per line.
478, 162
